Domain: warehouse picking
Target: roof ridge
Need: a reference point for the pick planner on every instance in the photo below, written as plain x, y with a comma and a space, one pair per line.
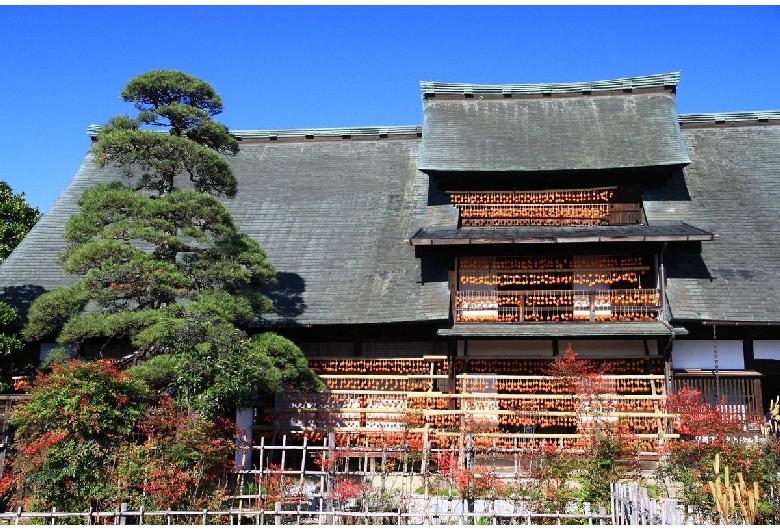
94, 130
624, 83
708, 117
330, 132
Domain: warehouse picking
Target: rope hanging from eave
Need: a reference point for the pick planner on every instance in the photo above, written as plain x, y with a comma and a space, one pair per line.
715, 359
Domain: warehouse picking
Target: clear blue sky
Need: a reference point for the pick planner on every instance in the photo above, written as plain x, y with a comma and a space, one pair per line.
62, 67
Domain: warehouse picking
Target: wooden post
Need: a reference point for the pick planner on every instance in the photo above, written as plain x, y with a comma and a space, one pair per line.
303, 460
284, 450
758, 397
284, 458
384, 469
424, 471
613, 501
426, 451
329, 473
365, 456
262, 463
470, 468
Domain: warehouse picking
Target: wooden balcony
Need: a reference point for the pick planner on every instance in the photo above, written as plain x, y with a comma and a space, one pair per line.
577, 306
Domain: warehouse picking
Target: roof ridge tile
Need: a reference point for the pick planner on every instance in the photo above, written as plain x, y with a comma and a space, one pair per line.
649, 81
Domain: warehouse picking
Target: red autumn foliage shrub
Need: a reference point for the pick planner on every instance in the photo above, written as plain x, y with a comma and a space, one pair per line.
181, 460
348, 490
89, 435
481, 481
696, 417
67, 437
276, 486
708, 429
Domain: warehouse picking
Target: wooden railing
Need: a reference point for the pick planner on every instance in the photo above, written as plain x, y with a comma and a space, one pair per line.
739, 390
560, 305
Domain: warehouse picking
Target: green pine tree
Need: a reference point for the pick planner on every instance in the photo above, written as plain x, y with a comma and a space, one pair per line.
160, 261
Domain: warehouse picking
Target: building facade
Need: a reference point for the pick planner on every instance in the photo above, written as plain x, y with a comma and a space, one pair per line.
433, 273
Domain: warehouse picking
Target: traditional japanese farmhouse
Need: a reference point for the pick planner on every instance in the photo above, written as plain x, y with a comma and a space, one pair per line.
440, 268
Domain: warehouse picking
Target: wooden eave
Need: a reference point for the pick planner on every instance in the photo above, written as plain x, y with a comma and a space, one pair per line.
560, 178
675, 232
562, 330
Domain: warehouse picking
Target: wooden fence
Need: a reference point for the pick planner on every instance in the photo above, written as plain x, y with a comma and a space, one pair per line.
630, 507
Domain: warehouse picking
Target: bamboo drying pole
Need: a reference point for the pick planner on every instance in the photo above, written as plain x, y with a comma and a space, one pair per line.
727, 496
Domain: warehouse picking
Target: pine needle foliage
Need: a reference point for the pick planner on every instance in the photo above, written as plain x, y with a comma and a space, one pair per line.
160, 262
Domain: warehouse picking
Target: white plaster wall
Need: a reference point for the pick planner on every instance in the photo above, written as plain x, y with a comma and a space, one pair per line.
766, 349
700, 354
506, 348
244, 420
608, 348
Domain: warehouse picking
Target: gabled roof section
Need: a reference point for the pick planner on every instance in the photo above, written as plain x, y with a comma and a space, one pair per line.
333, 216
620, 124
732, 189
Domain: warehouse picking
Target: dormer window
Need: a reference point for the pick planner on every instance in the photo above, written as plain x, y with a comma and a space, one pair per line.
562, 207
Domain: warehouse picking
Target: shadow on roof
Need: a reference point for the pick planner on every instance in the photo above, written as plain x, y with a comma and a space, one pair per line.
21, 296
287, 295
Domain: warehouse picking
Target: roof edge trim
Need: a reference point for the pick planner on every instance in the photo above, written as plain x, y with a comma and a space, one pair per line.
715, 117
626, 83
670, 164
340, 132
560, 330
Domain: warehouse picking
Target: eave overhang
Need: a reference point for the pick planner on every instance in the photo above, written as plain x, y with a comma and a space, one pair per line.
562, 330
523, 174
658, 232
700, 372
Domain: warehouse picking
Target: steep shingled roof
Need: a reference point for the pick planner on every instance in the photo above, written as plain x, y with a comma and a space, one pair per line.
732, 188
590, 126
334, 217
335, 208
